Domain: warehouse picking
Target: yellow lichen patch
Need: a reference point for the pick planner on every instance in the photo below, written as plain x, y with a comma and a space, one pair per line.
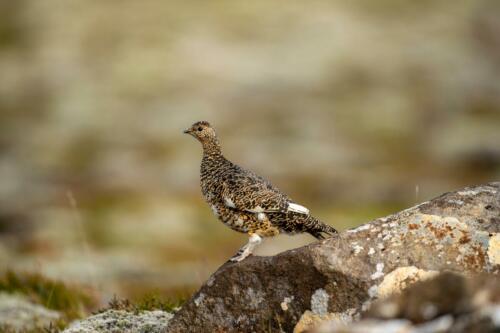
400, 278
494, 249
442, 226
310, 320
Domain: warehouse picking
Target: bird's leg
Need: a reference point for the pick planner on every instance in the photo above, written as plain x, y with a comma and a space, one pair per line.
247, 250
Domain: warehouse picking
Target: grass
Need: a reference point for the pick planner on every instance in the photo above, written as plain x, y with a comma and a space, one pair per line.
71, 302
149, 302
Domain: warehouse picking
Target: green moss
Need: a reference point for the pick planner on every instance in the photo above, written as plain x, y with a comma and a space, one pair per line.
71, 302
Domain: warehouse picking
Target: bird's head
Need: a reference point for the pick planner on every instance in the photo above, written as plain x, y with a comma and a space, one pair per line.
202, 131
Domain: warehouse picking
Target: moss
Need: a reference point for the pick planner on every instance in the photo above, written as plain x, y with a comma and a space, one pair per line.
71, 302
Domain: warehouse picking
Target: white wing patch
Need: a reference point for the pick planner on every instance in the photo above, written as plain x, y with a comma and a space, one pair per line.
229, 202
293, 207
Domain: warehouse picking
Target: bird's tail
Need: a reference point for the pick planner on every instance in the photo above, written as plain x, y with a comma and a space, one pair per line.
319, 229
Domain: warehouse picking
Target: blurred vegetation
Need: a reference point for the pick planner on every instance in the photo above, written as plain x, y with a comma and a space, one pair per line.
356, 109
51, 329
73, 302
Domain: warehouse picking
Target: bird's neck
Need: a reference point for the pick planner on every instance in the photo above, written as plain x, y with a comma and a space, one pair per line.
211, 147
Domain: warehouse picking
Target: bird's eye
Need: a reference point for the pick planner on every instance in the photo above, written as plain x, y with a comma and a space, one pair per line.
200, 129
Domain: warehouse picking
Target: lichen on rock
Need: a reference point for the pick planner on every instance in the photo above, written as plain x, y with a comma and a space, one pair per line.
400, 278
494, 249
309, 320
123, 322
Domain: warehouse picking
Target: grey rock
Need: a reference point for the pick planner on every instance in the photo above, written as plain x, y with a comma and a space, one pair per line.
457, 231
119, 321
18, 313
448, 303
448, 293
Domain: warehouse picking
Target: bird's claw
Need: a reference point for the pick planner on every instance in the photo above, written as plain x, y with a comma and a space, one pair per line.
240, 255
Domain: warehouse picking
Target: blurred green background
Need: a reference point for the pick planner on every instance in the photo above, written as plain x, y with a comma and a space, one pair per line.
355, 108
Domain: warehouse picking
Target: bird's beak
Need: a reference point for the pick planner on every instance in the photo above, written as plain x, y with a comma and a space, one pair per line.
188, 131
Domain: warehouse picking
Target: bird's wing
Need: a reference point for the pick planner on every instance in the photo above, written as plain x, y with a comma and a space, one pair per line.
254, 194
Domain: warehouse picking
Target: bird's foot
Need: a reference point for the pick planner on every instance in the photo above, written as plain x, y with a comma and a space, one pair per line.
246, 250
240, 255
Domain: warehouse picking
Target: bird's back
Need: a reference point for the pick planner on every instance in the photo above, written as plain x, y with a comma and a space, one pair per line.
219, 174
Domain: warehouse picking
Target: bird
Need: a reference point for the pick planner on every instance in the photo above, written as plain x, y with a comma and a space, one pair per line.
245, 201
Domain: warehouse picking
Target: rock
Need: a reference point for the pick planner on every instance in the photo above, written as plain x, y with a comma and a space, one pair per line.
369, 326
448, 293
400, 278
18, 313
450, 232
120, 321
448, 303
309, 320
494, 249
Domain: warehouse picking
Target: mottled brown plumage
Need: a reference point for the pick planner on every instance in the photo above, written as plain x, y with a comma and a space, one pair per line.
247, 202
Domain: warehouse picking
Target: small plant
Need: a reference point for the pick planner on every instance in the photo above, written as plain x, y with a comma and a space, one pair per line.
149, 302
156, 302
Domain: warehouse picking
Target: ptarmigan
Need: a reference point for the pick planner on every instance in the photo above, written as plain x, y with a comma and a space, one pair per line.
247, 202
